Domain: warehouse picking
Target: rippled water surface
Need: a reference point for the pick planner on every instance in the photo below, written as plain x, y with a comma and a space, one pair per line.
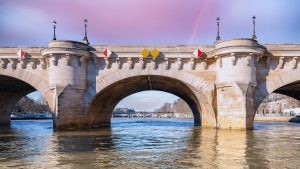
149, 143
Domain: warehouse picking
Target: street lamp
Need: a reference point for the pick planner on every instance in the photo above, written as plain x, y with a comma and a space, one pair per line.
253, 20
218, 29
54, 27
85, 31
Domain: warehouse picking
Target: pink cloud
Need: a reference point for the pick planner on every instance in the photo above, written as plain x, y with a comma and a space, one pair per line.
147, 21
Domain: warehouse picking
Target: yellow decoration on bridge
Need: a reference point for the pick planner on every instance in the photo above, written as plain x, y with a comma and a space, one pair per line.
144, 52
154, 52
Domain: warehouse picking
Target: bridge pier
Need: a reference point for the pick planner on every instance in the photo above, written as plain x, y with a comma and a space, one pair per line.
235, 82
67, 80
5, 118
69, 113
235, 106
5, 110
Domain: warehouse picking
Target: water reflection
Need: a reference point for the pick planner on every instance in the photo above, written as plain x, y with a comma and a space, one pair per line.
19, 145
231, 149
81, 149
149, 143
254, 151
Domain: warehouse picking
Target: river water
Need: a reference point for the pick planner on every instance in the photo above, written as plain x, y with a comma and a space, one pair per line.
149, 143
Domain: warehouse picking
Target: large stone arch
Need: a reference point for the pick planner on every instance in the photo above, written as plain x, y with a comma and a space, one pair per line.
199, 93
278, 83
30, 82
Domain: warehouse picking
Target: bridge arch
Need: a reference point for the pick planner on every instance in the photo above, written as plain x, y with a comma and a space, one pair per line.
112, 87
17, 84
287, 83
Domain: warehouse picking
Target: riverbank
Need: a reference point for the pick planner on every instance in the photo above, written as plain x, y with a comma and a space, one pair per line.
278, 118
28, 116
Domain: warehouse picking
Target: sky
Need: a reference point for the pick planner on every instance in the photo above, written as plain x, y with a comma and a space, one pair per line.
29, 23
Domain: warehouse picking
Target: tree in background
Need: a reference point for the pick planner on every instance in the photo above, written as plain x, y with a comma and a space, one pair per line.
28, 105
178, 106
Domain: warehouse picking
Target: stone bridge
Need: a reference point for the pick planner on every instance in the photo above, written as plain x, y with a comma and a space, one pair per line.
223, 87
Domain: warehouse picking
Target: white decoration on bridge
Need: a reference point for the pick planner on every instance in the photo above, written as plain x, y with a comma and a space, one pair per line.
197, 53
153, 63
34, 63
106, 60
233, 58
295, 62
24, 64
192, 63
248, 59
118, 62
4, 63
281, 63
21, 53
130, 63
219, 60
54, 59
142, 63
167, 63
205, 65
68, 59
45, 63
179, 62
13, 63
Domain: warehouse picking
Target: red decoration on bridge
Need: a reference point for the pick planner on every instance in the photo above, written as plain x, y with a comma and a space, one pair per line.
21, 54
198, 53
107, 52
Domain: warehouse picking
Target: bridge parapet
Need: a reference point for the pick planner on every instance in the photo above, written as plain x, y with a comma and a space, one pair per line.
283, 50
15, 63
187, 63
32, 58
35, 56
179, 57
68, 79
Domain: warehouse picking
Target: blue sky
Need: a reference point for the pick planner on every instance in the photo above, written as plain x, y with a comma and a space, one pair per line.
29, 23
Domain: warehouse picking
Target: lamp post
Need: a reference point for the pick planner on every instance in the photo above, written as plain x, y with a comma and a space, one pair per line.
218, 29
253, 20
54, 27
85, 31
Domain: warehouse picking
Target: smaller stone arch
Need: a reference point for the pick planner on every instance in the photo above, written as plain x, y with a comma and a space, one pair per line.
282, 79
108, 84
107, 78
278, 84
28, 82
